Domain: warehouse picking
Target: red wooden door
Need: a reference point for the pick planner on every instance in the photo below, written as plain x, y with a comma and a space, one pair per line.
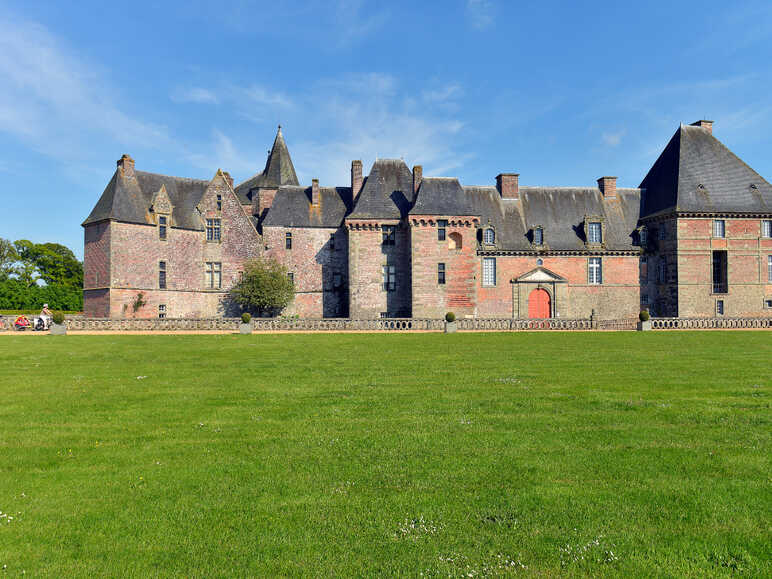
539, 304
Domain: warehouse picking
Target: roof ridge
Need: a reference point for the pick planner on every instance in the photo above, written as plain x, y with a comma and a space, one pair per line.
172, 176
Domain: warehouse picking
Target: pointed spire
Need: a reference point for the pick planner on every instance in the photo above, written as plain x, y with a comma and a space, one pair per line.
278, 168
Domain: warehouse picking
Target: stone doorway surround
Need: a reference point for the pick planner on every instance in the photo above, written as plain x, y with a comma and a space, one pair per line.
555, 285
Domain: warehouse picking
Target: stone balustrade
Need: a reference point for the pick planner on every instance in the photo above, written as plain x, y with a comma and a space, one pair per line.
79, 323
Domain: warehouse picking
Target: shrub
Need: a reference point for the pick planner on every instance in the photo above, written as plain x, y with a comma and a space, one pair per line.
246, 318
450, 317
644, 315
264, 287
58, 318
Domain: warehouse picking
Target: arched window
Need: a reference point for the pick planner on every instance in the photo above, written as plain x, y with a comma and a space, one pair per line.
454, 240
489, 236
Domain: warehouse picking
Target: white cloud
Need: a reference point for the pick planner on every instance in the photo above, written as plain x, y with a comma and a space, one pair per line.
480, 13
262, 96
222, 153
613, 139
49, 99
194, 95
353, 20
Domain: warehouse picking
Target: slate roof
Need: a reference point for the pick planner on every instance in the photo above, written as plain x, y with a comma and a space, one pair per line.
292, 207
278, 171
129, 199
560, 211
387, 192
697, 173
441, 196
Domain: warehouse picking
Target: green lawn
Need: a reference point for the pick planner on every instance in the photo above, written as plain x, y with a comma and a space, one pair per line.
550, 454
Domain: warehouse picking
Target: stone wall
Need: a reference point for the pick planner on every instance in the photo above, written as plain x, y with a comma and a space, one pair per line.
747, 276
318, 262
457, 252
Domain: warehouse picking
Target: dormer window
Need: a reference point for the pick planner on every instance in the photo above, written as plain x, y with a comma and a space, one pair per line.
594, 232
538, 236
489, 236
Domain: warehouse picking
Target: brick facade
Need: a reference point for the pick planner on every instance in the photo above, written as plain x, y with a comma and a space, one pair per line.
653, 254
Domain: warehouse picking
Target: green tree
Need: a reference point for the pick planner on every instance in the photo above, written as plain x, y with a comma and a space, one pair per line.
264, 287
8, 259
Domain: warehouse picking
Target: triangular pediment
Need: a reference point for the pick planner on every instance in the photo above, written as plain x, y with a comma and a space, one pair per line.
161, 203
540, 275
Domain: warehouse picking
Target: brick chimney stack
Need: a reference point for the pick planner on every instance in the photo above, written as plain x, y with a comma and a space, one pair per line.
508, 185
705, 125
356, 179
126, 164
314, 191
418, 175
608, 187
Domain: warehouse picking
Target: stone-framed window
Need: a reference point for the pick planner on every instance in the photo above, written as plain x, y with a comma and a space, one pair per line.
768, 303
288, 240
644, 299
213, 275
662, 270
213, 228
766, 228
161, 275
720, 269
643, 236
719, 307
389, 234
538, 235
219, 202
162, 225
389, 282
440, 274
442, 224
162, 311
769, 268
489, 271
595, 271
489, 236
291, 277
719, 228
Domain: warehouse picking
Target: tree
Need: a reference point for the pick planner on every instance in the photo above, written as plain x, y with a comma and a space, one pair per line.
8, 259
264, 286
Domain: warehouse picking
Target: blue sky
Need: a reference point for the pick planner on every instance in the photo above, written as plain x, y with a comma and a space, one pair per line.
560, 92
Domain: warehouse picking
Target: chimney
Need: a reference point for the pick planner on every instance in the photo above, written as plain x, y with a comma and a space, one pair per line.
126, 164
314, 191
356, 179
705, 125
228, 178
608, 187
507, 184
418, 175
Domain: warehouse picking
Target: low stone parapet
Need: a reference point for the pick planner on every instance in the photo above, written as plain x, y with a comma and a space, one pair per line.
710, 323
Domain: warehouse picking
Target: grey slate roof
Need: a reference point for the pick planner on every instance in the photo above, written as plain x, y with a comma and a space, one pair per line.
387, 192
278, 171
129, 199
441, 196
560, 211
292, 207
697, 173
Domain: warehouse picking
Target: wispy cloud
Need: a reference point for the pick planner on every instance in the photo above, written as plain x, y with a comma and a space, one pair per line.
48, 99
194, 95
354, 20
613, 139
480, 13
220, 152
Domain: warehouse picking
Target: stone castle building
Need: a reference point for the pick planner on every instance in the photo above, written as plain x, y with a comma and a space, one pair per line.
694, 240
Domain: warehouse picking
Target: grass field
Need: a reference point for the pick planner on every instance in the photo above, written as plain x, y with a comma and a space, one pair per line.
550, 454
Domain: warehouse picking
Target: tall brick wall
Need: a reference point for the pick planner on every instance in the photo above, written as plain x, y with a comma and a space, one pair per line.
96, 255
747, 253
314, 260
367, 256
459, 292
663, 247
